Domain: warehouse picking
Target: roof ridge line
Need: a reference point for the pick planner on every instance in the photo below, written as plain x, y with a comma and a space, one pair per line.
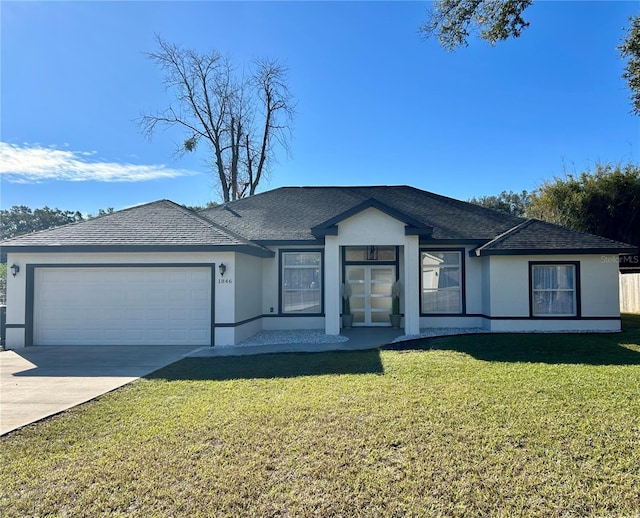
505, 234
212, 224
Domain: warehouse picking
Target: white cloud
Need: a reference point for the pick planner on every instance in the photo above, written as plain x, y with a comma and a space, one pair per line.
34, 164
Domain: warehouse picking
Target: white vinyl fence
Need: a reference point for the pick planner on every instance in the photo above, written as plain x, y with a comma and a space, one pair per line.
630, 292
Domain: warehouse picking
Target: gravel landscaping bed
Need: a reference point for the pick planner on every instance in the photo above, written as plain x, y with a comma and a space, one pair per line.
318, 336
298, 336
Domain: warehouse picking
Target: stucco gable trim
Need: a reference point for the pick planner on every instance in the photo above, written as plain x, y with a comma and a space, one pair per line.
330, 226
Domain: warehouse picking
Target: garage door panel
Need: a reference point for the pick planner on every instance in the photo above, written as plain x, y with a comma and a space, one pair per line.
178, 315
113, 335
200, 295
198, 315
122, 305
198, 335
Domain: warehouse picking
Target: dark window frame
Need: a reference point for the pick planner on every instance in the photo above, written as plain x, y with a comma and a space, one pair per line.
463, 281
577, 290
283, 251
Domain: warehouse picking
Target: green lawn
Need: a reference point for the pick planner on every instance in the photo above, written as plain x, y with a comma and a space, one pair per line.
486, 425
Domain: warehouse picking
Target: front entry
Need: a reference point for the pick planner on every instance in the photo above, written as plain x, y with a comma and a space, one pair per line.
371, 298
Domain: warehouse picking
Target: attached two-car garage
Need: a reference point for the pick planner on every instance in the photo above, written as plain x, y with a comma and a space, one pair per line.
122, 305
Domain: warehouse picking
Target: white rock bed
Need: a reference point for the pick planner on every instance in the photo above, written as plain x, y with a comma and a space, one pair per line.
298, 336
318, 336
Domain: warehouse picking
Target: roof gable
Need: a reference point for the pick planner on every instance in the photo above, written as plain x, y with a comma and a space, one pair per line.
539, 237
330, 226
158, 225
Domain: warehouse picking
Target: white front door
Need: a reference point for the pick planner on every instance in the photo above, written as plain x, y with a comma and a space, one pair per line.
370, 294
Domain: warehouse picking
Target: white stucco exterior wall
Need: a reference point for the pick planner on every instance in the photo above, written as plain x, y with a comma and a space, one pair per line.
332, 297
270, 287
600, 286
508, 285
247, 287
411, 286
474, 283
509, 294
371, 227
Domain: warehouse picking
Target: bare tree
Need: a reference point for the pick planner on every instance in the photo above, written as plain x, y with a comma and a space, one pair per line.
240, 117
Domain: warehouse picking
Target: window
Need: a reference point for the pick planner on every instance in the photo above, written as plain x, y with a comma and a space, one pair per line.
441, 282
361, 254
553, 290
301, 282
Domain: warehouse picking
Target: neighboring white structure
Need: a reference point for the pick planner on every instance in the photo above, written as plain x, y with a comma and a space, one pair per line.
163, 274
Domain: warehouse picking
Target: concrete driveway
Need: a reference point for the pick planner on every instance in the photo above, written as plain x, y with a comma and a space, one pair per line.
37, 382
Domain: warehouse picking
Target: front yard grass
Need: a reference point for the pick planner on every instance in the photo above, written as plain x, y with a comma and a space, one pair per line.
486, 425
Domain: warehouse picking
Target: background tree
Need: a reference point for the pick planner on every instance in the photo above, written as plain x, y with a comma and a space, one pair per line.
239, 117
630, 49
454, 21
605, 202
513, 203
20, 219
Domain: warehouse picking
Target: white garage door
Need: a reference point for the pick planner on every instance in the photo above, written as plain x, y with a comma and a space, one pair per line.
122, 306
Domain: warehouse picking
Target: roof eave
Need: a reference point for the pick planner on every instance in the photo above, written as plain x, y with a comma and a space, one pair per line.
478, 252
254, 250
320, 232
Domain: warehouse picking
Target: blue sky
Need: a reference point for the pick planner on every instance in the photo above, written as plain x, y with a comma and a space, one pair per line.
375, 103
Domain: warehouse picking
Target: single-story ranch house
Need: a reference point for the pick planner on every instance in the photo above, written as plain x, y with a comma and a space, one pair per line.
163, 274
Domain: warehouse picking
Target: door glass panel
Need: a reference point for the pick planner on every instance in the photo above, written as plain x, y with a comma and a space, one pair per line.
380, 318
379, 274
358, 317
383, 303
357, 289
381, 288
356, 274
357, 303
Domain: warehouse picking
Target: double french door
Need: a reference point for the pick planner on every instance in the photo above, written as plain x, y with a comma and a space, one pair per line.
370, 288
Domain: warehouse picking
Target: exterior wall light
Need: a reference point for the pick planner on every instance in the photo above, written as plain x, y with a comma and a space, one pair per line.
221, 268
14, 269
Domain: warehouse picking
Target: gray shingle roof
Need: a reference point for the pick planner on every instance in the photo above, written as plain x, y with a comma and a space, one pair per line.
158, 224
290, 213
299, 214
541, 237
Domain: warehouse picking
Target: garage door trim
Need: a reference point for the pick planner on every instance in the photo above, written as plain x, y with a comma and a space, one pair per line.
30, 287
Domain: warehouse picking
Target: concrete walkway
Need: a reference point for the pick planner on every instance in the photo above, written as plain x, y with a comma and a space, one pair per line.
37, 382
359, 339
